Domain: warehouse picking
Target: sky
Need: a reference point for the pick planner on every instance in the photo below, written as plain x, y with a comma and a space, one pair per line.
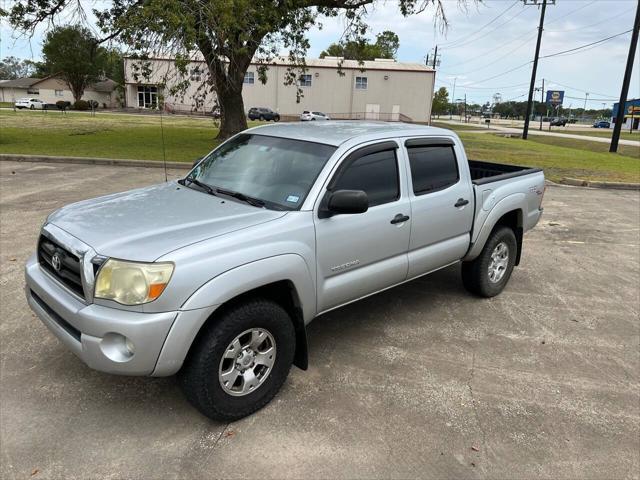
488, 47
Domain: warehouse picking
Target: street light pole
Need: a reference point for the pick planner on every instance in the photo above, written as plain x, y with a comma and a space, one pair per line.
541, 102
453, 97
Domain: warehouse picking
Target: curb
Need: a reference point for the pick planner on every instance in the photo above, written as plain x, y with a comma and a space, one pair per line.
9, 157
588, 183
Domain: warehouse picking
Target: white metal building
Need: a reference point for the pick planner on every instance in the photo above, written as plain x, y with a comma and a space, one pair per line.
381, 89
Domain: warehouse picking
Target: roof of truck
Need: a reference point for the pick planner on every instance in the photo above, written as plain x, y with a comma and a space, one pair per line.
337, 132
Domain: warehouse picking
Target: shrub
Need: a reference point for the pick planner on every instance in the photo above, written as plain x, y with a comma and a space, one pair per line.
63, 105
81, 105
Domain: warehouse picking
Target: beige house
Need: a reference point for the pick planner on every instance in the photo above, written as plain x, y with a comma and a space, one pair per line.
52, 89
381, 89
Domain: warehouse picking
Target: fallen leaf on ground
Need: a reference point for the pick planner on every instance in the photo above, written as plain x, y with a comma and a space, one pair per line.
35, 472
230, 433
475, 449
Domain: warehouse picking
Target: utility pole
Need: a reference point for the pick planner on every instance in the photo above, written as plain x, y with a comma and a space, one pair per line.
584, 111
453, 97
625, 84
541, 102
435, 57
525, 131
465, 108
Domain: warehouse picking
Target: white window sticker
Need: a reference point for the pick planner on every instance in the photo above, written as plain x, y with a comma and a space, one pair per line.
293, 198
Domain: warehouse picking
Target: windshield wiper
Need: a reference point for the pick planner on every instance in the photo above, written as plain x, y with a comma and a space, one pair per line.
200, 184
256, 202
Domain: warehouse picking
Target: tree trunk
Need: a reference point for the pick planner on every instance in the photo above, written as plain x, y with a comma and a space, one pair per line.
232, 117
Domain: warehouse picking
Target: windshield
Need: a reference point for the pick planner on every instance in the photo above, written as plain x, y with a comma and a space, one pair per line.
278, 171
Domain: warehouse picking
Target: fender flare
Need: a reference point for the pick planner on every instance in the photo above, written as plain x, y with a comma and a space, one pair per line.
504, 206
199, 307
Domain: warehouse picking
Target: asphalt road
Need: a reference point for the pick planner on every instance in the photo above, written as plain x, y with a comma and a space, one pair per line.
420, 381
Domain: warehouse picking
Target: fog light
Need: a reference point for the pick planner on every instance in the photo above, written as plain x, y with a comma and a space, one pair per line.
117, 348
128, 344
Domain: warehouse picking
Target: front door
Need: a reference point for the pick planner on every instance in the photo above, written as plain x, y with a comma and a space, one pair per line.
359, 254
442, 204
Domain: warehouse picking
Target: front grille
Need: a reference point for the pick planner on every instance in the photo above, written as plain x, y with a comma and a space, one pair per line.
70, 329
68, 271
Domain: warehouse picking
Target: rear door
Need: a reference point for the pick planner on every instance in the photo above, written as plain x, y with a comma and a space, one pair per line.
359, 254
441, 204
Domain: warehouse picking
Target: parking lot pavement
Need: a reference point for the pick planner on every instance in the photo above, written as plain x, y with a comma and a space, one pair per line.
420, 381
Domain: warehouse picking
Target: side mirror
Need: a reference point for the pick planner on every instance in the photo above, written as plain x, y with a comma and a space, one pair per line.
347, 201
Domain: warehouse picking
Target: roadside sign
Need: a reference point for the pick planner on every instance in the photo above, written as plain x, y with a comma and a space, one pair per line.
555, 98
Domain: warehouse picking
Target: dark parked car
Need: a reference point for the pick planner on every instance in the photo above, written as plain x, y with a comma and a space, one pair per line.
558, 122
602, 124
262, 113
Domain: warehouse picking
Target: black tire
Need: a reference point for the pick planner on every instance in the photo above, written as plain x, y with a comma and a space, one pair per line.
199, 376
475, 274
276, 118
32, 107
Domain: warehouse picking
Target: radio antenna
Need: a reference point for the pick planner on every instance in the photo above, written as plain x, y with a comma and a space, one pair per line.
164, 153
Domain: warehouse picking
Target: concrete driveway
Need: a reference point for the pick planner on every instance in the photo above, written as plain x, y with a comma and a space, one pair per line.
420, 381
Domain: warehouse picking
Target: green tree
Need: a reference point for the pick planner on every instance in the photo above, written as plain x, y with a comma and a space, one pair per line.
388, 44
440, 102
229, 34
385, 46
13, 67
72, 52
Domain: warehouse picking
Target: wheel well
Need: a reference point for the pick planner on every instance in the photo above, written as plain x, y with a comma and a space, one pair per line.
284, 294
513, 220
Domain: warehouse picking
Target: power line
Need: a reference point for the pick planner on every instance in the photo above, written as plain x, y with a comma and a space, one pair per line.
587, 45
527, 40
473, 40
589, 26
582, 90
463, 39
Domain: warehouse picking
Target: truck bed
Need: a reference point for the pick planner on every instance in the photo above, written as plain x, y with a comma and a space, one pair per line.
486, 172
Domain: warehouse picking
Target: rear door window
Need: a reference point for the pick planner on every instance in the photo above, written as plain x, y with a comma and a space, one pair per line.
433, 168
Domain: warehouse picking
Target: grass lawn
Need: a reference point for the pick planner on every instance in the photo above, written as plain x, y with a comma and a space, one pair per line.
106, 135
461, 127
188, 138
559, 157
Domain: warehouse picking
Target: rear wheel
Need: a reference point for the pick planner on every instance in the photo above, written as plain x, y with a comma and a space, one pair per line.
32, 107
489, 273
241, 361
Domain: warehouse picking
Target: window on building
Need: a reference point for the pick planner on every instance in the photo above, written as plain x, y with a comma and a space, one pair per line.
147, 96
249, 78
305, 80
433, 168
58, 93
33, 91
376, 174
196, 74
361, 83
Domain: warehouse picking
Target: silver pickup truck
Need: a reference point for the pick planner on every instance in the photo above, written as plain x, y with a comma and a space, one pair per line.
216, 275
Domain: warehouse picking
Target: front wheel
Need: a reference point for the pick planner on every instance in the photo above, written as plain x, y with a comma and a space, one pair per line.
241, 361
489, 273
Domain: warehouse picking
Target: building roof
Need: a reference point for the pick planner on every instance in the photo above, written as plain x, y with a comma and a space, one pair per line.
19, 82
329, 62
336, 132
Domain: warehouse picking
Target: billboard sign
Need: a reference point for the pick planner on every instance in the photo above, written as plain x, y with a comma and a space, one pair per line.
555, 98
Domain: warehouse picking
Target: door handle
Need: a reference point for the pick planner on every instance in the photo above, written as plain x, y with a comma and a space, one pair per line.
461, 202
399, 218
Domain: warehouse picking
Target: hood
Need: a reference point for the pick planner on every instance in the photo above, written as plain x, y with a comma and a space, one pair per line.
147, 223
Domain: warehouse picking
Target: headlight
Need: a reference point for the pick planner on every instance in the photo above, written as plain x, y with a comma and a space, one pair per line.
132, 283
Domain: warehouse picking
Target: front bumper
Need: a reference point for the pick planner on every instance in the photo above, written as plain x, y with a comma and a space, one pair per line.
94, 332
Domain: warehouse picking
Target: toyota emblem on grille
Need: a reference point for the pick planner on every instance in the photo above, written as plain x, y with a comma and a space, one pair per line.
56, 262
